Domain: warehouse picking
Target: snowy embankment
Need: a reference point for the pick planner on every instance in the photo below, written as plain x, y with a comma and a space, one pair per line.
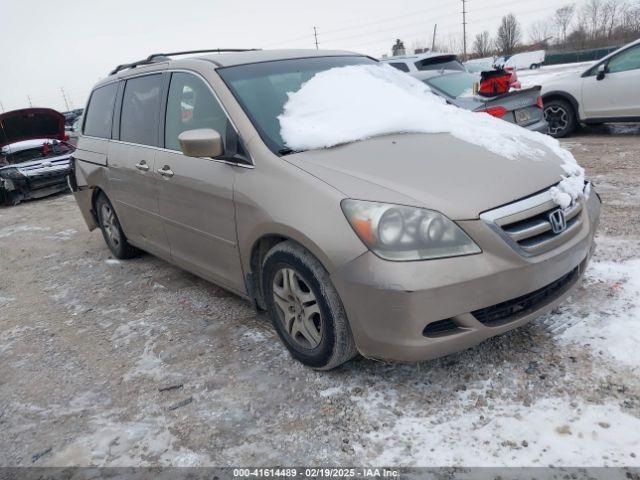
347, 104
545, 74
482, 428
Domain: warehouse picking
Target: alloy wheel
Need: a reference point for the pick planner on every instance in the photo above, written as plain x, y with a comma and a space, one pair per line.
557, 118
109, 223
298, 308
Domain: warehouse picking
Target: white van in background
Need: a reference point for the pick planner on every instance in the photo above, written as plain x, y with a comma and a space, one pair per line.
522, 61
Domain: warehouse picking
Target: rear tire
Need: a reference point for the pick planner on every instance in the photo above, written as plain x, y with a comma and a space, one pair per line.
305, 308
112, 232
561, 118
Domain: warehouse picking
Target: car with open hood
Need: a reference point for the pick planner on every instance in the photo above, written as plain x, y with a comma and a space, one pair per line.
360, 210
34, 154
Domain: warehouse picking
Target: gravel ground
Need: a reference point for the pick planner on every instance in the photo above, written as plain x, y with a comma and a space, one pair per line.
115, 363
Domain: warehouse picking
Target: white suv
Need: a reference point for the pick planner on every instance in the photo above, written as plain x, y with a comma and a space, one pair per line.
607, 92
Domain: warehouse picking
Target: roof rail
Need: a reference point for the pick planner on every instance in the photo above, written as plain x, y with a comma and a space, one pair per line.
161, 57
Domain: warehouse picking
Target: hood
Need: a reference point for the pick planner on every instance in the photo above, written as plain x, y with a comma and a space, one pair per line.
435, 171
30, 124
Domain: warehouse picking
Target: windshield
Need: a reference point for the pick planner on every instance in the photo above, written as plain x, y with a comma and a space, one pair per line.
261, 88
454, 84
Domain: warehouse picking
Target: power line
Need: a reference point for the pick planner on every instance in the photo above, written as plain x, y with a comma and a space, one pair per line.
360, 25
383, 38
327, 34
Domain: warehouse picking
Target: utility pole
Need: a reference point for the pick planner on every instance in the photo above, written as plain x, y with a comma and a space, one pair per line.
29, 98
464, 29
64, 97
315, 35
433, 42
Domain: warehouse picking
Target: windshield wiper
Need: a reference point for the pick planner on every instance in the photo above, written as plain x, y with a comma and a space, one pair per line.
286, 151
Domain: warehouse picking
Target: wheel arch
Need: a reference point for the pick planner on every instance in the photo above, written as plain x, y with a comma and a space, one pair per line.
96, 191
261, 245
561, 95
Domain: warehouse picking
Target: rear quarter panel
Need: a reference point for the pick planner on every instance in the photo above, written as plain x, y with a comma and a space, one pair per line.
91, 172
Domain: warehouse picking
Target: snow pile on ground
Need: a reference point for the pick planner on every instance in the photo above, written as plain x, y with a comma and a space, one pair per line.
352, 103
547, 74
615, 329
557, 432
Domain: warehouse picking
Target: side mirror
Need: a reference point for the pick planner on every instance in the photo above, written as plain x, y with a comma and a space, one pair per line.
602, 72
201, 142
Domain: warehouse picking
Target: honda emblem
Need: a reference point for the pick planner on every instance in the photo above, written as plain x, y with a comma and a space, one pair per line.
557, 221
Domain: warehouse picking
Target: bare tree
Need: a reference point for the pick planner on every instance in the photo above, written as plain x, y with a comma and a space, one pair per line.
509, 34
563, 19
631, 19
612, 12
594, 24
482, 44
591, 18
454, 43
541, 32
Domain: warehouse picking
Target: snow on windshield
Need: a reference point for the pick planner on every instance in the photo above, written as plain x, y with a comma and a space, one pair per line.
352, 103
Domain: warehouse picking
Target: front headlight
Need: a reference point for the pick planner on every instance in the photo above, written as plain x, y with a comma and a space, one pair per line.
397, 232
11, 173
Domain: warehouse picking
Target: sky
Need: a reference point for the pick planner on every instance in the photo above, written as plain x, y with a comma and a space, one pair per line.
49, 46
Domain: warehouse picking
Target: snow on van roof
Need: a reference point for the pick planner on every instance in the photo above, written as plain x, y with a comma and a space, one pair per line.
356, 102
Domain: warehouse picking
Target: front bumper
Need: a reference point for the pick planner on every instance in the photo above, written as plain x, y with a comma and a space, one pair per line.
36, 181
391, 305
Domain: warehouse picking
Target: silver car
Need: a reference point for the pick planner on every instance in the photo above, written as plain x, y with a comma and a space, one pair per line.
522, 107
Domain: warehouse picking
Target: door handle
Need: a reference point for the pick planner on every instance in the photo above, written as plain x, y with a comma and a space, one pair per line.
166, 171
142, 166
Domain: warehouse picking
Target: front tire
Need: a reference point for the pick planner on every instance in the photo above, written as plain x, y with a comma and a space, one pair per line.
112, 232
561, 118
305, 308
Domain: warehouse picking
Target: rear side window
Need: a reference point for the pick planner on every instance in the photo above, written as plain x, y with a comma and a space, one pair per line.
400, 66
140, 110
100, 111
191, 105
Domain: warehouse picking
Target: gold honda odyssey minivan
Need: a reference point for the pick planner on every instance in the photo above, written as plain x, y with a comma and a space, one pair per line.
364, 247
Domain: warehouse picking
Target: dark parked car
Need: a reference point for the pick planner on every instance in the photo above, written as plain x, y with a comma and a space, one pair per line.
71, 116
522, 107
34, 154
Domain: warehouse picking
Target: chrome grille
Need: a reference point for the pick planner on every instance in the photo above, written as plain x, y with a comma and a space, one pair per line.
46, 166
526, 225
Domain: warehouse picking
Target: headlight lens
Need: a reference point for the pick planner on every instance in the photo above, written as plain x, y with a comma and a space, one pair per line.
396, 232
11, 173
